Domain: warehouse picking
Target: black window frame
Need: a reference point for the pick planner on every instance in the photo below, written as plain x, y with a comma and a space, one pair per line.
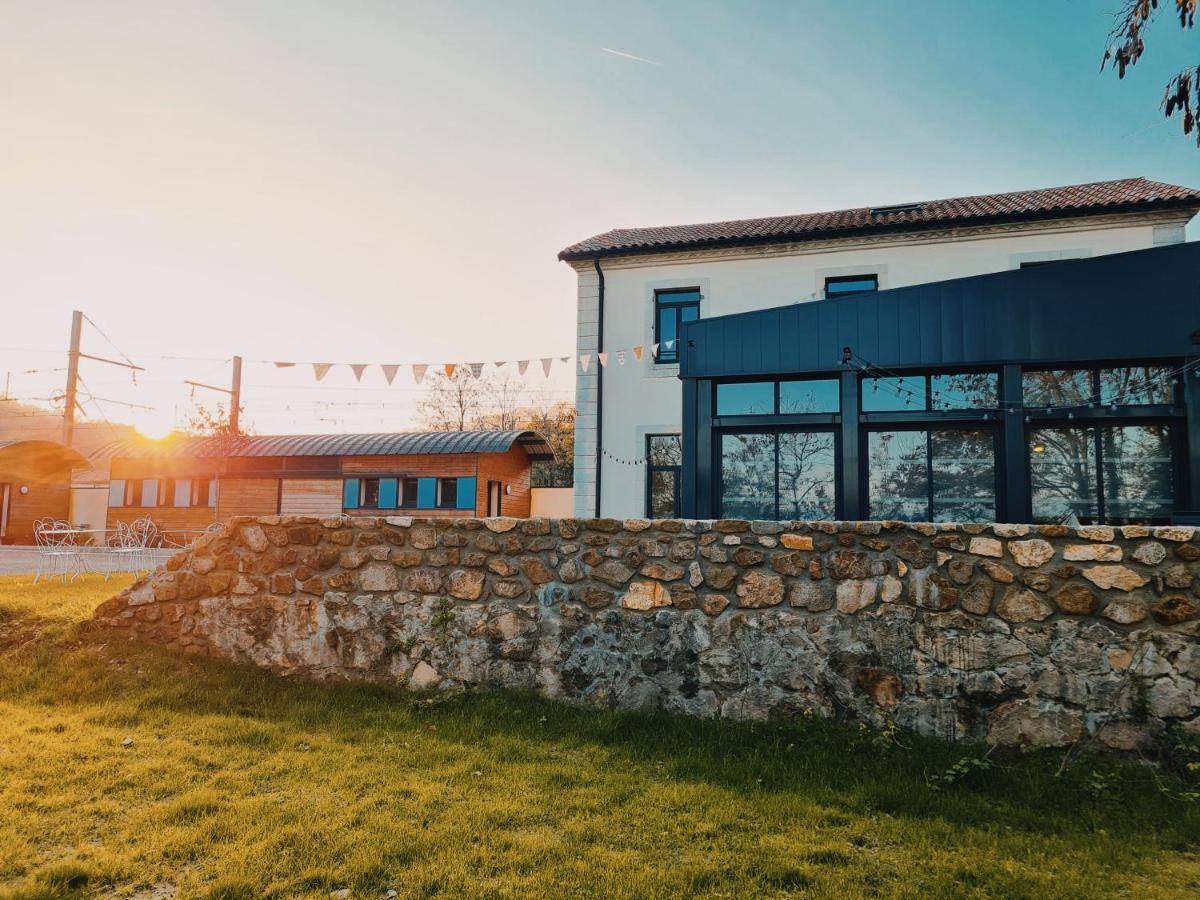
652, 468
662, 301
929, 427
815, 424
846, 279
402, 492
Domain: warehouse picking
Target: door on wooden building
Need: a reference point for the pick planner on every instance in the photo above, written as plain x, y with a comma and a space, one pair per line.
494, 493
5, 496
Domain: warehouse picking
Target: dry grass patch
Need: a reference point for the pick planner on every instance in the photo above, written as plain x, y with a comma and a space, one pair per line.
235, 783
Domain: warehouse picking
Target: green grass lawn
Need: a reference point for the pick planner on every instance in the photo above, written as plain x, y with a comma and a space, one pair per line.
239, 784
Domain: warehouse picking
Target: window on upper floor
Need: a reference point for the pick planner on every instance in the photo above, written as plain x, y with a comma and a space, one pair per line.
672, 309
845, 285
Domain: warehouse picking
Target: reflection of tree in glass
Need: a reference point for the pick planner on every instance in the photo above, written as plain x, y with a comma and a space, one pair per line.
1062, 474
964, 476
748, 476
1137, 473
1136, 385
806, 475
1063, 388
899, 485
964, 389
664, 450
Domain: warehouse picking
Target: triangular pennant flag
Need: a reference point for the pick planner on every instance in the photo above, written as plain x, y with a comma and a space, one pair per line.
522, 365
585, 360
546, 363
564, 359
284, 365
654, 351
637, 353
358, 369
389, 372
501, 364
449, 369
476, 369
603, 357
669, 345
620, 357
320, 369
419, 372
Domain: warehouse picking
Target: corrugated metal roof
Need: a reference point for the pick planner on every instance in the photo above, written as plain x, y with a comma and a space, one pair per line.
1130, 194
44, 451
407, 443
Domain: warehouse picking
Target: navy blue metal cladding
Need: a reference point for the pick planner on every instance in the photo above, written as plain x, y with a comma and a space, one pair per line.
1121, 309
1139, 305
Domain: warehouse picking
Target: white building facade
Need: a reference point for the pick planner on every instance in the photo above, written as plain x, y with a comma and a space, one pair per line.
632, 283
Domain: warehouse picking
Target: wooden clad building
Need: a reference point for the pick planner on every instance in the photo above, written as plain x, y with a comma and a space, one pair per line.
190, 483
35, 483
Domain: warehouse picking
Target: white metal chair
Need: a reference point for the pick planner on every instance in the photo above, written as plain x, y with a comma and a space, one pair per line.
57, 555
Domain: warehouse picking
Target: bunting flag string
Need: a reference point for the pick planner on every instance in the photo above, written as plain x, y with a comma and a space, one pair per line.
622, 356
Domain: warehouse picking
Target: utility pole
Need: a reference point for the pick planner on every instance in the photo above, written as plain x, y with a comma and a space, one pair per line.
73, 357
68, 432
234, 391
235, 397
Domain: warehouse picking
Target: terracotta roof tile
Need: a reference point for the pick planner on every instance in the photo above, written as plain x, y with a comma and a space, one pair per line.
1078, 199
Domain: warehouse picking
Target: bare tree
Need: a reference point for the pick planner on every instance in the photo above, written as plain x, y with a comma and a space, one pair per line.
452, 402
213, 421
555, 421
501, 402
1126, 46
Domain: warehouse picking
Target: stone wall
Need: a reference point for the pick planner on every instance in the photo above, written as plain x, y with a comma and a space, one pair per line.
1019, 635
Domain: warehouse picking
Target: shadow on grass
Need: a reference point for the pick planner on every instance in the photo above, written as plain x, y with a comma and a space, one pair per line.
849, 770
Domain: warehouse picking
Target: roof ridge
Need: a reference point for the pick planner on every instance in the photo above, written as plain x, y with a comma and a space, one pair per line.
1134, 190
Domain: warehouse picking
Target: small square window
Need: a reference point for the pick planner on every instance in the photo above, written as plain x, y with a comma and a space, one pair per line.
447, 493
846, 285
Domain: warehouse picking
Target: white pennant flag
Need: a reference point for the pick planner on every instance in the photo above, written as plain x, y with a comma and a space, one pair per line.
585, 360
564, 359
389, 372
284, 365
476, 369
669, 345
358, 369
321, 369
654, 351
620, 357
603, 357
546, 363
522, 365
419, 372
501, 364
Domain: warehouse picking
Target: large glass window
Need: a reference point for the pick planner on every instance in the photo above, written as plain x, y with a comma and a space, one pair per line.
778, 475
671, 310
746, 398
814, 396
1137, 386
918, 393
789, 398
664, 457
1111, 473
947, 475
1060, 388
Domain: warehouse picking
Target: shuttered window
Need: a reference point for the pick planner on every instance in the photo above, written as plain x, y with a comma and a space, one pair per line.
466, 493
350, 494
388, 493
426, 493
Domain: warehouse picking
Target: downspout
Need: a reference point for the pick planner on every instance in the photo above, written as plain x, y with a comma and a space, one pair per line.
599, 381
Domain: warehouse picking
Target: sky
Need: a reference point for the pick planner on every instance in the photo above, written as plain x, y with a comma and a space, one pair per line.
390, 182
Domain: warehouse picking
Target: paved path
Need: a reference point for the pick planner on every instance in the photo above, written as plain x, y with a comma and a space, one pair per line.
24, 560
